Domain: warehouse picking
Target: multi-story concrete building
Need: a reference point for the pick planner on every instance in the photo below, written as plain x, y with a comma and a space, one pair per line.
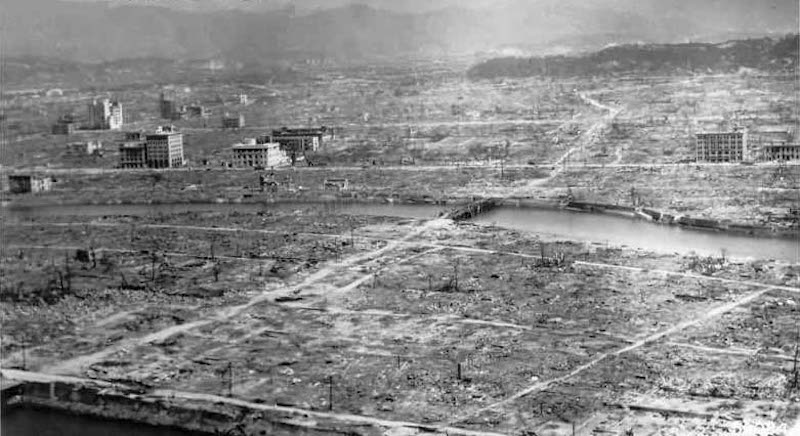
65, 125
21, 184
251, 153
133, 151
781, 152
89, 148
105, 115
164, 148
232, 122
196, 111
169, 107
299, 141
721, 147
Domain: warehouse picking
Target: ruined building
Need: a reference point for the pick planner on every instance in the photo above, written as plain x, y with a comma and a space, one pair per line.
250, 153
781, 152
161, 149
721, 147
299, 141
105, 115
169, 107
164, 148
65, 125
21, 184
133, 151
232, 122
89, 148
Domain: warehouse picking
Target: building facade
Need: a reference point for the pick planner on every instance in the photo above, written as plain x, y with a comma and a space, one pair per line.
105, 115
196, 111
85, 148
336, 185
21, 184
169, 107
164, 148
133, 151
250, 153
781, 152
65, 125
721, 147
233, 122
299, 141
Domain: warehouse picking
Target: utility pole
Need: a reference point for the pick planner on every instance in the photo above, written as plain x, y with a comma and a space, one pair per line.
330, 392
351, 232
796, 353
455, 275
25, 359
230, 379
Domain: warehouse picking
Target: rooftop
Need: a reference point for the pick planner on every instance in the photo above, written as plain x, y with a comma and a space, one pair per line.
252, 143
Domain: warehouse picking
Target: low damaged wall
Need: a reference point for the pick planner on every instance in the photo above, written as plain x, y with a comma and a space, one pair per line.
196, 416
683, 221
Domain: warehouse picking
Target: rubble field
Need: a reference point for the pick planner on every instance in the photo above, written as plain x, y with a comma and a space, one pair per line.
427, 321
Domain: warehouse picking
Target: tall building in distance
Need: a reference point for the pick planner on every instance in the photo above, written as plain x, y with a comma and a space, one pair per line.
232, 121
721, 147
105, 115
169, 107
164, 148
65, 125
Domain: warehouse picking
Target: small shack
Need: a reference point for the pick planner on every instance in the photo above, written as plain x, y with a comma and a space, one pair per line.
336, 185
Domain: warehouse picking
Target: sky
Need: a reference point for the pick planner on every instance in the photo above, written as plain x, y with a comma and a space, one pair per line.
652, 8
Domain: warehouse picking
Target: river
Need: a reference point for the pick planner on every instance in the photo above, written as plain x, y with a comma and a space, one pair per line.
617, 230
28, 421
614, 230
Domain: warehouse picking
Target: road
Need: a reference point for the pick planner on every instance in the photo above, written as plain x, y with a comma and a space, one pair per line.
77, 364
554, 166
543, 385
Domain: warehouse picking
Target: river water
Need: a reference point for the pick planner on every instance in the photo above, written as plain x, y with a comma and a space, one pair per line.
27, 421
617, 230
614, 230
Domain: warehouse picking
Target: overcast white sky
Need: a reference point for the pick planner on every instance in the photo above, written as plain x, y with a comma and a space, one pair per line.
648, 7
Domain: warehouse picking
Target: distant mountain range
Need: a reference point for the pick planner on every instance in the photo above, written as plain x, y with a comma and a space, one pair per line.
269, 29
764, 54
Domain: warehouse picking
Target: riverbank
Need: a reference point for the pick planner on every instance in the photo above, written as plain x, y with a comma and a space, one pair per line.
461, 208
622, 225
196, 415
711, 224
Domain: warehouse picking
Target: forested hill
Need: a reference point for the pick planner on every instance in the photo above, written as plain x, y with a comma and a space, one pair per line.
761, 54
